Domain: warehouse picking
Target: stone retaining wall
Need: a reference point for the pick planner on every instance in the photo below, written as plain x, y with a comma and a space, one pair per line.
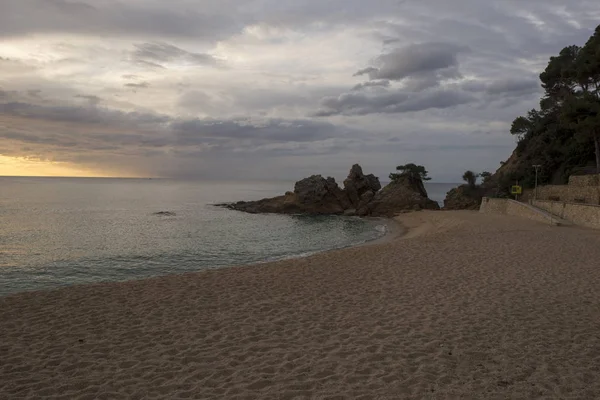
584, 180
582, 189
512, 207
587, 215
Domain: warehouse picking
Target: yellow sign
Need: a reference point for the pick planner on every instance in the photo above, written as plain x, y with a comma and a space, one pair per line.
516, 189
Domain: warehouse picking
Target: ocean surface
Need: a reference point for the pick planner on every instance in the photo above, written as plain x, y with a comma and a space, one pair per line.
62, 231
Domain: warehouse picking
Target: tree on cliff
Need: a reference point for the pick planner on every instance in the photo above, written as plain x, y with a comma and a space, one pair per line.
571, 101
486, 176
563, 135
471, 178
410, 169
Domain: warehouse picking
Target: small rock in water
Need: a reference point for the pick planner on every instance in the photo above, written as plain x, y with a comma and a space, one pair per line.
165, 213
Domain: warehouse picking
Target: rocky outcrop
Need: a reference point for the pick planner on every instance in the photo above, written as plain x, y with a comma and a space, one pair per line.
318, 195
357, 184
286, 204
312, 195
464, 197
407, 193
362, 195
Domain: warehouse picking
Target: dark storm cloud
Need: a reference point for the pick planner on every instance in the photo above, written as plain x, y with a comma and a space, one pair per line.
413, 60
160, 53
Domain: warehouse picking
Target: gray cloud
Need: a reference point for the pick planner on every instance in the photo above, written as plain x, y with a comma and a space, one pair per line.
514, 86
34, 93
415, 59
85, 115
18, 17
285, 60
148, 64
91, 99
140, 85
372, 84
272, 130
367, 70
156, 130
391, 102
159, 53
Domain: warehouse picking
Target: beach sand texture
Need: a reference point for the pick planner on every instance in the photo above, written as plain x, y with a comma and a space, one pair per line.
465, 306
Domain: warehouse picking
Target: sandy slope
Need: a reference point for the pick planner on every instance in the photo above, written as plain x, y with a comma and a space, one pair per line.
465, 306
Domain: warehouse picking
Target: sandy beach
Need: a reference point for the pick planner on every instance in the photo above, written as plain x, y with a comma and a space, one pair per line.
463, 306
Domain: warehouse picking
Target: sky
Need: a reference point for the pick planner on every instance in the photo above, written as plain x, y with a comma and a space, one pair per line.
272, 89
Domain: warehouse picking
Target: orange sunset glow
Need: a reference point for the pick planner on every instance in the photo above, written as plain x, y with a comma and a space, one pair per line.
25, 166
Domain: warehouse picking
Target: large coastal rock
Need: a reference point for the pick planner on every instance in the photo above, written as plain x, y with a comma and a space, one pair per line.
464, 197
358, 184
312, 195
317, 195
362, 195
407, 193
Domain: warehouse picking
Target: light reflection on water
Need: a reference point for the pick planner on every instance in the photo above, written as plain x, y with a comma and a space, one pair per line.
56, 232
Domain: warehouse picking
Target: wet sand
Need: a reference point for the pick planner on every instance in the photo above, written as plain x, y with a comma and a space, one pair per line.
464, 305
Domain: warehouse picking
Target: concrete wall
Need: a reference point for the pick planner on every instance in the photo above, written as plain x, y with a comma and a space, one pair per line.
493, 206
511, 207
580, 214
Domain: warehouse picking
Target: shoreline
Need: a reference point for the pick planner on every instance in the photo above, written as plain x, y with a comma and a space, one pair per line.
393, 230
417, 317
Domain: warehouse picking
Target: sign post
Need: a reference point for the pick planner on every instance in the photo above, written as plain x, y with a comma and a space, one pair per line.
536, 179
516, 190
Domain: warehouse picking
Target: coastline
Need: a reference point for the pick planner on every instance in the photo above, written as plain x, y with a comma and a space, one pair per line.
419, 316
393, 229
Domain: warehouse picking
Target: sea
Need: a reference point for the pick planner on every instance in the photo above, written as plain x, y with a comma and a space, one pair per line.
57, 232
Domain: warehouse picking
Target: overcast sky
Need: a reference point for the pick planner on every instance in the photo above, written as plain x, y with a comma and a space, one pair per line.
275, 89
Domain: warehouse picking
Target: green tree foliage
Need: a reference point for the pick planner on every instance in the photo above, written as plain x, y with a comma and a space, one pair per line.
485, 176
563, 136
410, 169
471, 178
572, 91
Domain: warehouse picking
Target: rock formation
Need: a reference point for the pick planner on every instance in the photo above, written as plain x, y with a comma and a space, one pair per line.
362, 195
407, 193
357, 184
464, 197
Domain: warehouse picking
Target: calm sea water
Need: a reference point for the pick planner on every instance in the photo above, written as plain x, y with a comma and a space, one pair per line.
437, 191
62, 231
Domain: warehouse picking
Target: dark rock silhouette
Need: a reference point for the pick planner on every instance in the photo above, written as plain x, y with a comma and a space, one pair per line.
362, 195
464, 197
406, 193
357, 184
